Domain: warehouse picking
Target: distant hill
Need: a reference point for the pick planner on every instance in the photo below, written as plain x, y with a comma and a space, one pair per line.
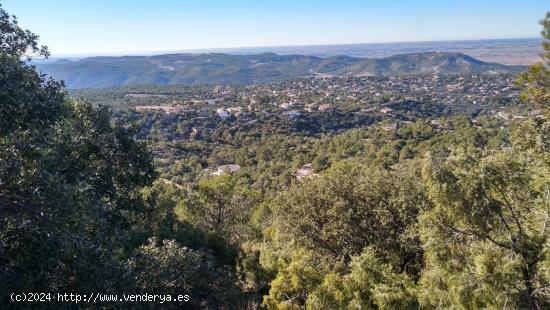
215, 68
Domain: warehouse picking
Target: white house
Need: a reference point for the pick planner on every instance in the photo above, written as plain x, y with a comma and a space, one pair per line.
231, 168
223, 114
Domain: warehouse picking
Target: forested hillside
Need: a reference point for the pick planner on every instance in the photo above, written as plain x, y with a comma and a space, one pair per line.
425, 192
212, 69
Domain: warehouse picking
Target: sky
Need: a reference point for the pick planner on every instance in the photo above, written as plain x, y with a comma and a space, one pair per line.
111, 27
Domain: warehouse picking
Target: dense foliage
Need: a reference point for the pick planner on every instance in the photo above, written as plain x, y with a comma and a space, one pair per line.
73, 199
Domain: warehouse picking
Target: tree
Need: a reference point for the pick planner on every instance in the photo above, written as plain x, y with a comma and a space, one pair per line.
320, 163
27, 101
485, 235
536, 81
293, 284
16, 41
368, 284
220, 205
341, 213
68, 180
172, 269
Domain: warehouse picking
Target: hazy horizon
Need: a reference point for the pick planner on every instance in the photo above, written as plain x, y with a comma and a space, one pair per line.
246, 50
84, 28
505, 51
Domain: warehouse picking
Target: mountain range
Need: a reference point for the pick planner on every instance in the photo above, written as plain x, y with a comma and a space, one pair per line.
218, 68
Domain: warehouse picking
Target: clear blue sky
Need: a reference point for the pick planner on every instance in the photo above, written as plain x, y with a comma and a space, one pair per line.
115, 26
